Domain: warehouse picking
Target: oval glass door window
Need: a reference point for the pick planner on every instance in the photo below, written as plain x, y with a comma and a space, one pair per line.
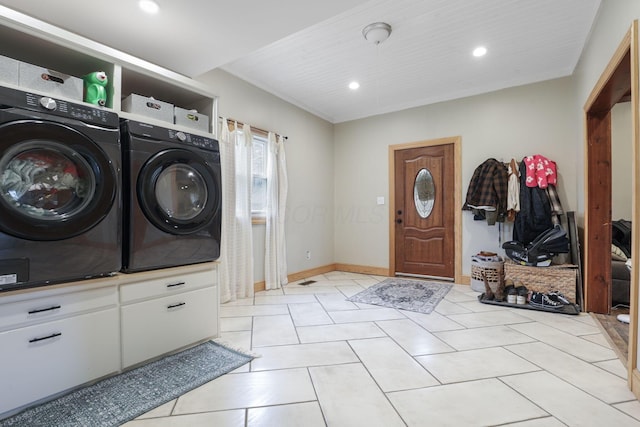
424, 193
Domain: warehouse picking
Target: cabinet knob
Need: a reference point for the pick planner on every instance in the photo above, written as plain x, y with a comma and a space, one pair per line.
180, 304
42, 310
48, 337
173, 285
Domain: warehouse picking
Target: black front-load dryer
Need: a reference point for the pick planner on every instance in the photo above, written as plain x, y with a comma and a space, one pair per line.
172, 197
60, 204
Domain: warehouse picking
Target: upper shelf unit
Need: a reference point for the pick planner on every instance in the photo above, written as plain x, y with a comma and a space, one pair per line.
30, 40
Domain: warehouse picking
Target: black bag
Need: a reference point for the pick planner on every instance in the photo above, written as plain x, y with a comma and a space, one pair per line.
621, 235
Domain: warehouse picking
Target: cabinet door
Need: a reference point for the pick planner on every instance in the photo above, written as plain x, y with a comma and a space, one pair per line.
41, 360
53, 307
152, 328
164, 286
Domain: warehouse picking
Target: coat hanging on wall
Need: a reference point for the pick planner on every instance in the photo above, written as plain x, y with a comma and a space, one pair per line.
487, 192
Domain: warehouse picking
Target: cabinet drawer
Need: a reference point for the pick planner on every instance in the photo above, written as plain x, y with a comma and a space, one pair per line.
22, 313
170, 285
152, 328
40, 360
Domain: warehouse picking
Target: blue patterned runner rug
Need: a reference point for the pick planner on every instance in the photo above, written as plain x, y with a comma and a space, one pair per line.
123, 397
404, 294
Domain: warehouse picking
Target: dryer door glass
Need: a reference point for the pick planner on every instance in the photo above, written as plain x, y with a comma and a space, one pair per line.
181, 192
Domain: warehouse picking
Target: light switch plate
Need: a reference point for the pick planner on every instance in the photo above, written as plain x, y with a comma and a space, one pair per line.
381, 200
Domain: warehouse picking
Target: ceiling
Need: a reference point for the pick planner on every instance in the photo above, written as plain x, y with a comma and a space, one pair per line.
307, 52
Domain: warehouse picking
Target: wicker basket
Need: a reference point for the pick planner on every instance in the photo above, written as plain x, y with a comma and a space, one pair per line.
493, 270
544, 279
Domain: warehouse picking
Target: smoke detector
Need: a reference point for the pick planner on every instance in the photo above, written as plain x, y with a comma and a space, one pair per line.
377, 32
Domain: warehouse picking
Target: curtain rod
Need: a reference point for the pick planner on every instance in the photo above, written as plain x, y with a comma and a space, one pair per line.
253, 128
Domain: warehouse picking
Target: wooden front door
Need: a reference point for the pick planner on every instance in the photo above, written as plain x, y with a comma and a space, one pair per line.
424, 211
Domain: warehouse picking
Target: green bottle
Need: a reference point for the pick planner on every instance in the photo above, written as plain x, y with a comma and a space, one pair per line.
95, 91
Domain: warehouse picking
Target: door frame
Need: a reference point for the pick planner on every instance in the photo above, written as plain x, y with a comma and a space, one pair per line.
618, 81
456, 141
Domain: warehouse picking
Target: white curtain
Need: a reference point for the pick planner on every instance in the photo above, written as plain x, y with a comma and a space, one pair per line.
275, 252
236, 268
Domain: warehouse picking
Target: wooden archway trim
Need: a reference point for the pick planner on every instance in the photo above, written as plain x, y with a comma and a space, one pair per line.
619, 82
614, 85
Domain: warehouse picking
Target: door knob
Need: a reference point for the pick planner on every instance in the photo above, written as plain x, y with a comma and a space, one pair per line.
399, 221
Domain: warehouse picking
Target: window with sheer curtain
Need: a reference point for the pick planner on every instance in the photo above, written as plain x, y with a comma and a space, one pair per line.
259, 178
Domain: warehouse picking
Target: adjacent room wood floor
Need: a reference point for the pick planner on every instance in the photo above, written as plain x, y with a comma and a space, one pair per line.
616, 331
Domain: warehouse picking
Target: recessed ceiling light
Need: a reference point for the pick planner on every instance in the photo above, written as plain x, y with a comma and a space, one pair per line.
480, 51
354, 85
149, 6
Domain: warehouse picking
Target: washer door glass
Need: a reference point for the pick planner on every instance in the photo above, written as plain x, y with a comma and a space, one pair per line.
179, 191
46, 181
55, 182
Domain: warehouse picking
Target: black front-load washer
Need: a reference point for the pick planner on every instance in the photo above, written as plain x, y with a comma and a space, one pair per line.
172, 197
60, 204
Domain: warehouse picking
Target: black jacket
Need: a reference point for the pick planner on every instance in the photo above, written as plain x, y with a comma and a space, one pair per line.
535, 211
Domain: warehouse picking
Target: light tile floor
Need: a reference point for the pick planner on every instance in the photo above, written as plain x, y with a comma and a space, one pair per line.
328, 361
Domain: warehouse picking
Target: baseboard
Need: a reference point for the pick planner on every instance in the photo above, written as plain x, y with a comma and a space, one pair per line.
293, 277
350, 268
635, 383
259, 286
363, 269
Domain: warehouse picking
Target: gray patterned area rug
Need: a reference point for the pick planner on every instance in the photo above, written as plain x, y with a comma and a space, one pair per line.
121, 398
404, 294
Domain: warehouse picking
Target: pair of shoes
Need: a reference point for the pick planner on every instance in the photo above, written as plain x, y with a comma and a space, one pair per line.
624, 318
538, 299
558, 297
522, 295
511, 293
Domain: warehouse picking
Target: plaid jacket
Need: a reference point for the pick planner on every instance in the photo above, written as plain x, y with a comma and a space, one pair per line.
488, 188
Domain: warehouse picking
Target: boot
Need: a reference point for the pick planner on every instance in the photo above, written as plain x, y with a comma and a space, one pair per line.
488, 293
499, 294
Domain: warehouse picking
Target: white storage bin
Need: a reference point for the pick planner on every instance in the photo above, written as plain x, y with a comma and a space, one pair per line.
493, 271
49, 82
191, 118
149, 107
8, 70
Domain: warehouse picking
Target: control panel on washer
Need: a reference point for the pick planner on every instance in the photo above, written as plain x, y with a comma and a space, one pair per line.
43, 103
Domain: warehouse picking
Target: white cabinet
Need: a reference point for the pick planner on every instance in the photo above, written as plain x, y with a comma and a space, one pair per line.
163, 314
73, 341
59, 337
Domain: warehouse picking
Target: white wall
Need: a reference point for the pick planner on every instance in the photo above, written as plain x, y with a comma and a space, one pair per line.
309, 152
614, 19
532, 119
350, 160
621, 161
